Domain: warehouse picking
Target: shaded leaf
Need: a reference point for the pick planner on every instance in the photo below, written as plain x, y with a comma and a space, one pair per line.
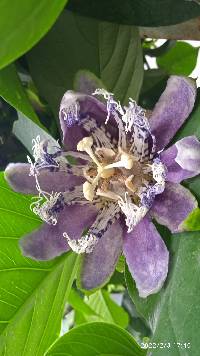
112, 52
12, 91
140, 12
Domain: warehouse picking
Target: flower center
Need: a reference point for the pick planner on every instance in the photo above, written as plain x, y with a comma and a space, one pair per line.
117, 174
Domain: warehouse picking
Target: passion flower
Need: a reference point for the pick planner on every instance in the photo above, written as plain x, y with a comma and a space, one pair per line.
103, 205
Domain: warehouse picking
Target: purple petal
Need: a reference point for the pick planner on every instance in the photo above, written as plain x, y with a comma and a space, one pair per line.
147, 257
182, 159
17, 176
48, 241
98, 266
172, 109
73, 108
172, 207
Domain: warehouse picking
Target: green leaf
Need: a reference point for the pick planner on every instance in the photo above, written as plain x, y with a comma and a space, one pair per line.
179, 316
145, 306
96, 339
98, 307
154, 83
26, 130
192, 125
180, 59
174, 312
140, 12
112, 52
192, 223
78, 304
12, 91
23, 24
32, 293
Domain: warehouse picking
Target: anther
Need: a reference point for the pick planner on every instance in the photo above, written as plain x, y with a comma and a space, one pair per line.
88, 191
86, 145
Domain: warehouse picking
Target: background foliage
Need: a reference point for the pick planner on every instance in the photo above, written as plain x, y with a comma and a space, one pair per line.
45, 49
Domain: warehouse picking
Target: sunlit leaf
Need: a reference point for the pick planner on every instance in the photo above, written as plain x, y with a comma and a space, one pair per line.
110, 51
96, 339
32, 294
180, 59
23, 24
12, 91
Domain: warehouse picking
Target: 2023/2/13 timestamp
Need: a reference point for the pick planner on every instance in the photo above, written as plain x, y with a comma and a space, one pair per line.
165, 345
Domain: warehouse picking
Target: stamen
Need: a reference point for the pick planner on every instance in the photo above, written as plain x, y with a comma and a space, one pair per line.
89, 188
129, 184
86, 145
88, 191
108, 194
126, 161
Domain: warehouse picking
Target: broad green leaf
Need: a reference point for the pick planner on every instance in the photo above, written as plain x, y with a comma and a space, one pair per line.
32, 293
12, 91
174, 312
23, 24
192, 223
26, 130
100, 307
142, 12
179, 316
96, 339
180, 59
112, 52
146, 307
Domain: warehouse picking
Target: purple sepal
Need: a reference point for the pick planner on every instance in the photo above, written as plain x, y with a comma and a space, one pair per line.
175, 173
172, 109
147, 257
48, 242
98, 266
173, 206
17, 176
